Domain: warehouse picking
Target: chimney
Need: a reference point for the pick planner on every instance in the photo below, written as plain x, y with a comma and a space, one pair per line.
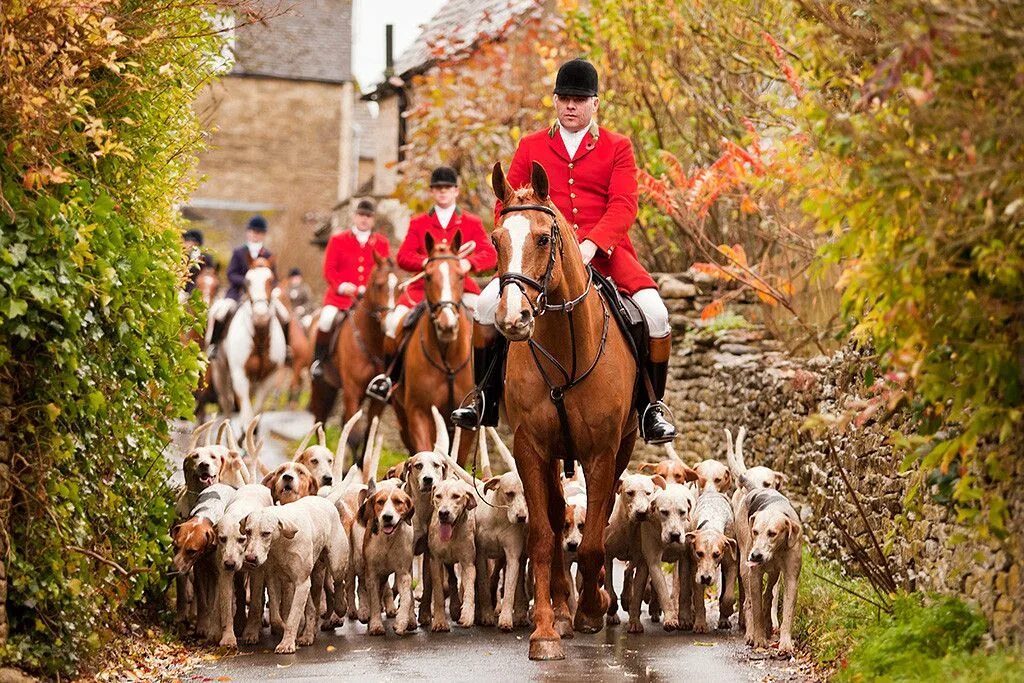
389, 56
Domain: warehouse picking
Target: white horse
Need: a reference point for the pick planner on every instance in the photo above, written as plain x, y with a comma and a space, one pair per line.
253, 349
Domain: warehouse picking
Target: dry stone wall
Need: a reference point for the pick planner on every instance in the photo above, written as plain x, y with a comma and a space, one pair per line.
727, 378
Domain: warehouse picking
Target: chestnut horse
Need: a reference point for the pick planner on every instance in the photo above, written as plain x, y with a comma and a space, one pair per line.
438, 354
569, 349
359, 353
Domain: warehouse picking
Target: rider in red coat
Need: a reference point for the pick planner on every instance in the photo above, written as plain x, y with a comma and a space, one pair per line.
348, 260
593, 182
443, 222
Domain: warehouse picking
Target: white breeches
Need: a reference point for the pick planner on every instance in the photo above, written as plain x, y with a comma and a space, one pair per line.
327, 314
649, 301
219, 309
393, 320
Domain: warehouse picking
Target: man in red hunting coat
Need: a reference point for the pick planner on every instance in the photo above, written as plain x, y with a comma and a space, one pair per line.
593, 182
443, 222
347, 264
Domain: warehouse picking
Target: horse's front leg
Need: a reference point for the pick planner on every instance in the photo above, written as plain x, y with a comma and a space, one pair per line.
559, 579
594, 601
240, 385
545, 643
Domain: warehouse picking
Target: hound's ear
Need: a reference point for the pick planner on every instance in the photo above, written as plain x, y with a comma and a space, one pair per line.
618, 486
492, 483
457, 241
209, 536
649, 467
501, 189
730, 543
428, 242
311, 484
780, 479
728, 480
403, 473
243, 525
690, 474
288, 528
691, 537
174, 531
793, 537
470, 497
365, 507
410, 509
270, 479
570, 516
659, 481
539, 181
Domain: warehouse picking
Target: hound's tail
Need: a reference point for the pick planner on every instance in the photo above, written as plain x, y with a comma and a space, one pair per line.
734, 453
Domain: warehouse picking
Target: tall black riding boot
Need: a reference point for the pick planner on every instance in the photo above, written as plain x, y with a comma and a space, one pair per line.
215, 337
320, 349
489, 374
654, 426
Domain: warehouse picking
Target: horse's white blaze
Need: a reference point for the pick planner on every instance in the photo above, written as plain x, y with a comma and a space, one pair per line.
392, 285
448, 318
518, 230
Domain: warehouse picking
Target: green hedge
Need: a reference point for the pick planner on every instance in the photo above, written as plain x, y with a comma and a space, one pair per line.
95, 113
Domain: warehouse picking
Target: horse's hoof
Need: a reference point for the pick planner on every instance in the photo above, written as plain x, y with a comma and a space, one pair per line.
546, 650
584, 623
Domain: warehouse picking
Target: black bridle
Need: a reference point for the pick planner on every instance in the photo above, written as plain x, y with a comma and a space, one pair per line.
435, 310
569, 375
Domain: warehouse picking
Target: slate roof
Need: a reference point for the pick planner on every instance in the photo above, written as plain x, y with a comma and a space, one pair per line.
311, 40
458, 26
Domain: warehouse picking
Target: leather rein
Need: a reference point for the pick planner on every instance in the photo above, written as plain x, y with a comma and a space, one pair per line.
543, 305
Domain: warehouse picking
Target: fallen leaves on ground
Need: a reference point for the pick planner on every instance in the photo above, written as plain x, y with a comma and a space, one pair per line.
150, 655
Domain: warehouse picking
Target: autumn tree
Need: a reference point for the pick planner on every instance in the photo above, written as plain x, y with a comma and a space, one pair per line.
472, 106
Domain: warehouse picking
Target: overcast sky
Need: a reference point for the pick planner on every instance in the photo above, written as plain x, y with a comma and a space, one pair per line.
368, 32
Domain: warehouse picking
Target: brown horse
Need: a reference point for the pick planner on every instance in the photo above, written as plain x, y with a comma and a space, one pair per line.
359, 353
568, 350
208, 284
301, 347
438, 354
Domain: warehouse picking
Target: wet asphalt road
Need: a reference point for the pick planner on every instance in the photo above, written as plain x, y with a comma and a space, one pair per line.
486, 654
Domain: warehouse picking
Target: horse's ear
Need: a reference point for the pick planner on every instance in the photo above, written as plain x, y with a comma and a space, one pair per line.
428, 241
539, 181
498, 184
457, 241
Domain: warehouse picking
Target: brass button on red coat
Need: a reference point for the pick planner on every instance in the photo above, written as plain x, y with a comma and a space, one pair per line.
575, 210
361, 269
570, 164
571, 181
575, 227
572, 195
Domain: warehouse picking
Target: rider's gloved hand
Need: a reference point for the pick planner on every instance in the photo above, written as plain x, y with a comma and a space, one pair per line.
589, 251
347, 289
465, 265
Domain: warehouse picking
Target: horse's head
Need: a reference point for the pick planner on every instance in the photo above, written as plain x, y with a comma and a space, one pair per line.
208, 283
443, 284
530, 237
259, 283
382, 287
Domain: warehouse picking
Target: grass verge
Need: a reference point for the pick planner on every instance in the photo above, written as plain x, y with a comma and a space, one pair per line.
924, 638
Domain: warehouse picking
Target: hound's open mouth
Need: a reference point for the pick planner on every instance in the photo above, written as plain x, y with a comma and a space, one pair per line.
206, 479
445, 531
389, 529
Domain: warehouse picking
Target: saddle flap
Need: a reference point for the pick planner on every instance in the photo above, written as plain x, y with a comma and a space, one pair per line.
628, 316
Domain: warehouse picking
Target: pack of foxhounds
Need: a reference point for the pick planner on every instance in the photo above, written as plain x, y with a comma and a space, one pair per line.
304, 546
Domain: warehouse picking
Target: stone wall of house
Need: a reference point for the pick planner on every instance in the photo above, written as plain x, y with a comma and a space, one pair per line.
726, 378
275, 150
